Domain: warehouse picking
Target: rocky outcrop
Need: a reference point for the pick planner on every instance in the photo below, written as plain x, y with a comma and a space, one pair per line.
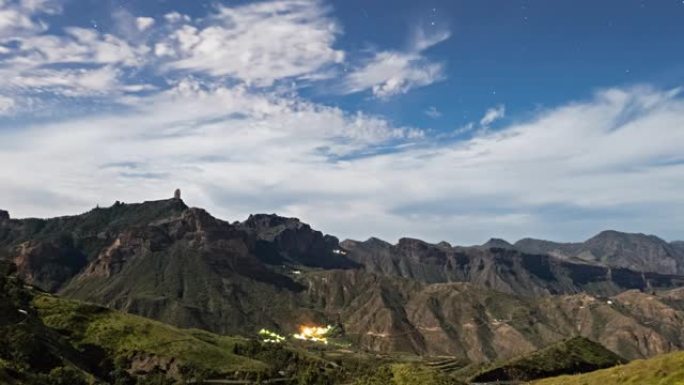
48, 264
288, 241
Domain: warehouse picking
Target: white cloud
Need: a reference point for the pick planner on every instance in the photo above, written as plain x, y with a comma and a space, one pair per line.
175, 17
612, 161
7, 104
78, 82
19, 17
43, 6
76, 63
236, 152
492, 115
144, 23
422, 40
258, 43
79, 46
433, 112
212, 136
390, 73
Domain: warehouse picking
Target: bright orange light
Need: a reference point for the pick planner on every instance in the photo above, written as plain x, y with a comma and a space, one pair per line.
313, 333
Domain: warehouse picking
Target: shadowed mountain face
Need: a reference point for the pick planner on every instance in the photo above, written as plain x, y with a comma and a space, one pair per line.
502, 269
287, 240
177, 264
166, 261
611, 248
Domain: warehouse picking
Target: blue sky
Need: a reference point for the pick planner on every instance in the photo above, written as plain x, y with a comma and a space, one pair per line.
445, 120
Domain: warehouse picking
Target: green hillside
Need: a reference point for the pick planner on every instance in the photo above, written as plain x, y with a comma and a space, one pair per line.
126, 336
46, 340
662, 370
575, 355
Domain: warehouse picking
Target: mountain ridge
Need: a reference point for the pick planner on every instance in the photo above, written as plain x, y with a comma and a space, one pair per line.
167, 261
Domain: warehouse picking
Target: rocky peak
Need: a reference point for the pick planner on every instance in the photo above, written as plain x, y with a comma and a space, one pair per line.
288, 240
617, 236
445, 245
497, 243
269, 226
612, 248
271, 220
412, 243
4, 216
377, 242
421, 251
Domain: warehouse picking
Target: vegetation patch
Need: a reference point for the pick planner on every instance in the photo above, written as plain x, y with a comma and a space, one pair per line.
572, 356
662, 370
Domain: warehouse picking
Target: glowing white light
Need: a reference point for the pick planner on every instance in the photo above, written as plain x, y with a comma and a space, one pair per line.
271, 337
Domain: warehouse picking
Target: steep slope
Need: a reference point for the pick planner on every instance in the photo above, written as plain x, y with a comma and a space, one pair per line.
572, 356
44, 339
502, 269
288, 240
202, 273
638, 252
468, 321
662, 370
49, 252
164, 260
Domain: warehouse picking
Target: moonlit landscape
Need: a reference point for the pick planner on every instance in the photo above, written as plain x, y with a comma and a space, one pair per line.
347, 192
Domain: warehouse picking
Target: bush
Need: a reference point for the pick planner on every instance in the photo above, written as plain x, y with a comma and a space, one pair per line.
64, 376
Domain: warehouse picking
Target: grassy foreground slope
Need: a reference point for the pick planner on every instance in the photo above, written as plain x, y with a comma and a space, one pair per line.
574, 355
45, 339
48, 340
667, 369
133, 338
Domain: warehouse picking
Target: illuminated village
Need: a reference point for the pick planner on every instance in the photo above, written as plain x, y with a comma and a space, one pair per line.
316, 334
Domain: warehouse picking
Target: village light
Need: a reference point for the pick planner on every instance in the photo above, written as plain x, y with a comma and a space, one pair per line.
314, 333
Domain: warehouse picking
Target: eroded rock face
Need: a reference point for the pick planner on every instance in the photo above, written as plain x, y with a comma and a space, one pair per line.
112, 259
502, 269
467, 321
47, 264
144, 363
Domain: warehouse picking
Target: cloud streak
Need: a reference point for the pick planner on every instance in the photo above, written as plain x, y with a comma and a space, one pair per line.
390, 73
492, 115
237, 152
217, 117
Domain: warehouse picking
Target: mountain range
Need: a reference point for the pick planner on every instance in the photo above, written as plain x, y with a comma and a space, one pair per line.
180, 265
